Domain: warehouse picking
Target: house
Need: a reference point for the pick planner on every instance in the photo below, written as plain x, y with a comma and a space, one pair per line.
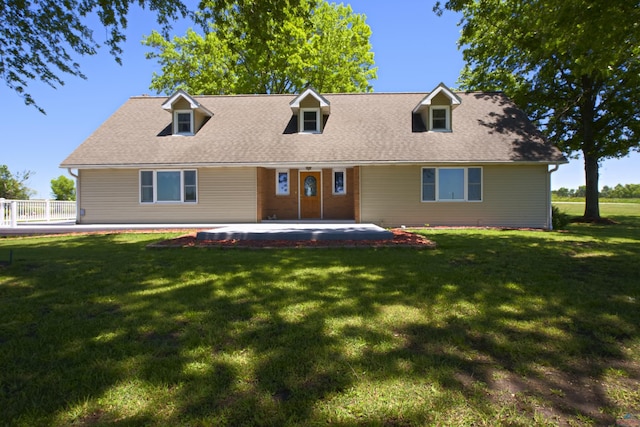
438, 158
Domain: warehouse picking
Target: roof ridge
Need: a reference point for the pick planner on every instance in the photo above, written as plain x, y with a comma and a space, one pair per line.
271, 95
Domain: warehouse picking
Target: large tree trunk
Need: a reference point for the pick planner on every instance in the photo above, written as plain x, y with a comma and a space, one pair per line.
592, 198
587, 110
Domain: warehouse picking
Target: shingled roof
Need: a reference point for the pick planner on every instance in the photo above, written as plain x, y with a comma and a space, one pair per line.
259, 130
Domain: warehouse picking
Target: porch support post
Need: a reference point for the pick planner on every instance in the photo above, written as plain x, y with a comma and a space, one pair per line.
14, 214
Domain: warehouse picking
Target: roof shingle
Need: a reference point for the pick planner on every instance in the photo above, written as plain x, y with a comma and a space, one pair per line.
362, 129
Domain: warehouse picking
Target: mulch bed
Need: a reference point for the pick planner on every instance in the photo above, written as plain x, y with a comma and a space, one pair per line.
401, 238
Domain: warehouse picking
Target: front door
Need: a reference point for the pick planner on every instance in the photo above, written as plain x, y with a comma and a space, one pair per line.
310, 195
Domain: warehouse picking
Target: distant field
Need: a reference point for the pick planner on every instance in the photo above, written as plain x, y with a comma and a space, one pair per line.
606, 209
602, 200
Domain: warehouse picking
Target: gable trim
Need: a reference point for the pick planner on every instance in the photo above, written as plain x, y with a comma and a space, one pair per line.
441, 88
193, 104
325, 106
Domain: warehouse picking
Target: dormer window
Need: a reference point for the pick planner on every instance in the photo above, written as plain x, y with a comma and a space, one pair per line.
183, 122
434, 111
310, 120
310, 108
188, 115
439, 119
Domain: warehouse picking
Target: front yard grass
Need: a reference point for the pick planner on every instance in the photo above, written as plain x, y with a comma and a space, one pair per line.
491, 328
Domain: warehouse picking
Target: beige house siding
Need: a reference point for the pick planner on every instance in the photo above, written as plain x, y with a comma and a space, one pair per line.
113, 196
199, 120
309, 102
513, 195
181, 104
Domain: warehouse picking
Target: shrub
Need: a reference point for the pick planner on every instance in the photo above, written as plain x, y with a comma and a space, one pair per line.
559, 219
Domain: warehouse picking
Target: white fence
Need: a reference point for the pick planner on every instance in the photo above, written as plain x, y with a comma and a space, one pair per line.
13, 212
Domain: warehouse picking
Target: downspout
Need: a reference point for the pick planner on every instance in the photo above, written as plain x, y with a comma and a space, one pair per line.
77, 194
550, 211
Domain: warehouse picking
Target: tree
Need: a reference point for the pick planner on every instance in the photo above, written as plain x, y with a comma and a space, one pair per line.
320, 45
572, 65
63, 188
42, 39
39, 38
14, 187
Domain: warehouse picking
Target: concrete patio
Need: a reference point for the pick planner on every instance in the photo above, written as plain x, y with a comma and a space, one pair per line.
296, 231
260, 231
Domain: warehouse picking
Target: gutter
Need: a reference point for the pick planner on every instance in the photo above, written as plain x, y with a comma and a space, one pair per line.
550, 211
77, 194
302, 165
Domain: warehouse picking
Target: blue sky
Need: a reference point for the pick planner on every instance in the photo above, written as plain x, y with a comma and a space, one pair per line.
414, 51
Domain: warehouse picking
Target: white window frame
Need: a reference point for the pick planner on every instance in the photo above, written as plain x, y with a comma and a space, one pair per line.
176, 114
278, 189
447, 116
318, 128
344, 182
465, 198
155, 187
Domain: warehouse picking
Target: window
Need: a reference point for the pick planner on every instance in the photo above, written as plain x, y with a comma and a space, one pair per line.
183, 122
168, 186
474, 182
310, 120
146, 186
282, 182
451, 184
310, 186
190, 186
428, 184
339, 181
440, 118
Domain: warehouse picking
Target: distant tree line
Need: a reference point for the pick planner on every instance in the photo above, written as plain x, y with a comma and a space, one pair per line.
13, 186
627, 191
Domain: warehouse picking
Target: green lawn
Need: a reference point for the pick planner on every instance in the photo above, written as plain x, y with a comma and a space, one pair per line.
609, 210
491, 328
602, 200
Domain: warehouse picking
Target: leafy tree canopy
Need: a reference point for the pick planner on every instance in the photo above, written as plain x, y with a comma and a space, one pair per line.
572, 65
63, 188
14, 186
249, 50
43, 39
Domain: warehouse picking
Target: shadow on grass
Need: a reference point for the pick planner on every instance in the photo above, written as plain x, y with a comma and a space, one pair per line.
492, 327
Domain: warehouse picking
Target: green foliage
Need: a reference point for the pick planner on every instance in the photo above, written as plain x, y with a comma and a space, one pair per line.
63, 188
14, 186
287, 49
559, 219
570, 192
627, 191
572, 65
38, 39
